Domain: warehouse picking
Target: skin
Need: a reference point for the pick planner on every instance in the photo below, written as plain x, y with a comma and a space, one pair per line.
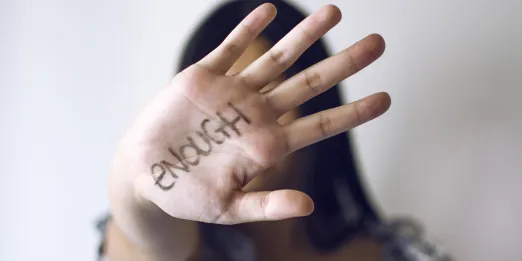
240, 181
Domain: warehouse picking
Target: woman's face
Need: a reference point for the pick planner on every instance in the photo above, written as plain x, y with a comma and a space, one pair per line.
284, 173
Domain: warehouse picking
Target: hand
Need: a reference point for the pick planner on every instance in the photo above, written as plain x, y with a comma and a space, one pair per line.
207, 134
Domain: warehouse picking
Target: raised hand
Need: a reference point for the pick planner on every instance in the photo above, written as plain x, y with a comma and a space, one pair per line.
207, 134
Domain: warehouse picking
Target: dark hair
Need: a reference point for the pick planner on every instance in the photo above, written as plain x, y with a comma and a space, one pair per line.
341, 206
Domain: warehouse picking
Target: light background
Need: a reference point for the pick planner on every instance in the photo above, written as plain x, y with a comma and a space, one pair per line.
74, 74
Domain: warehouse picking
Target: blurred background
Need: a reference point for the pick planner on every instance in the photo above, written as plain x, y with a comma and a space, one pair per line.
74, 74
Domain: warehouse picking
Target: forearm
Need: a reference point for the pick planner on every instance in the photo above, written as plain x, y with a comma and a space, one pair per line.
119, 247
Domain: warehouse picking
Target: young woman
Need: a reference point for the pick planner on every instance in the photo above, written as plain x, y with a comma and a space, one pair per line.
247, 132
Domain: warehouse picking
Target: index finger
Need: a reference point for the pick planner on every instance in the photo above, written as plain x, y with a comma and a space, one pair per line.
225, 55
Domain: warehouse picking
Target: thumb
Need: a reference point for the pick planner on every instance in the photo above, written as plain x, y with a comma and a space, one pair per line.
268, 205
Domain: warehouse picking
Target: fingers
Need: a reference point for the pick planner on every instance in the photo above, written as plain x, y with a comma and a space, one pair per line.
288, 49
264, 206
223, 57
325, 74
325, 124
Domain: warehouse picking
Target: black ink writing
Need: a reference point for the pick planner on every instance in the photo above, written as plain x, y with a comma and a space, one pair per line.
157, 179
243, 116
194, 160
205, 132
191, 153
231, 123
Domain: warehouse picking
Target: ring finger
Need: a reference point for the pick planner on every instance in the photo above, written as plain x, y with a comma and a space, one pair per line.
325, 74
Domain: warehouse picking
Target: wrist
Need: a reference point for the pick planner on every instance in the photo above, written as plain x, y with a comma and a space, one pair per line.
142, 222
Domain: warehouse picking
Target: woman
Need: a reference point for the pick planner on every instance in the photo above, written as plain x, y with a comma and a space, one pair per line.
247, 132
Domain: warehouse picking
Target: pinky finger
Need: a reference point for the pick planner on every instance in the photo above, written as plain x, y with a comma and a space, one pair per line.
322, 125
266, 206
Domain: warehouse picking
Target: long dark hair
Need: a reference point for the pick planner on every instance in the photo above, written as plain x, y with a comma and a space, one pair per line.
341, 206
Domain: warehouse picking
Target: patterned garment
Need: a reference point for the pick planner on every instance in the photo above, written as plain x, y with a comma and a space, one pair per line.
402, 240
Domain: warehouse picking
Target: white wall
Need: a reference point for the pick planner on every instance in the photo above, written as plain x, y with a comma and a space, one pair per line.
73, 74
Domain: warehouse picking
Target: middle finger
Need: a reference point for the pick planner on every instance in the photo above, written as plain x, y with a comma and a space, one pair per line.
325, 74
283, 54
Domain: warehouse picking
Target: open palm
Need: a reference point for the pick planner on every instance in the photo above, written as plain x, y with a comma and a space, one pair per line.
207, 134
